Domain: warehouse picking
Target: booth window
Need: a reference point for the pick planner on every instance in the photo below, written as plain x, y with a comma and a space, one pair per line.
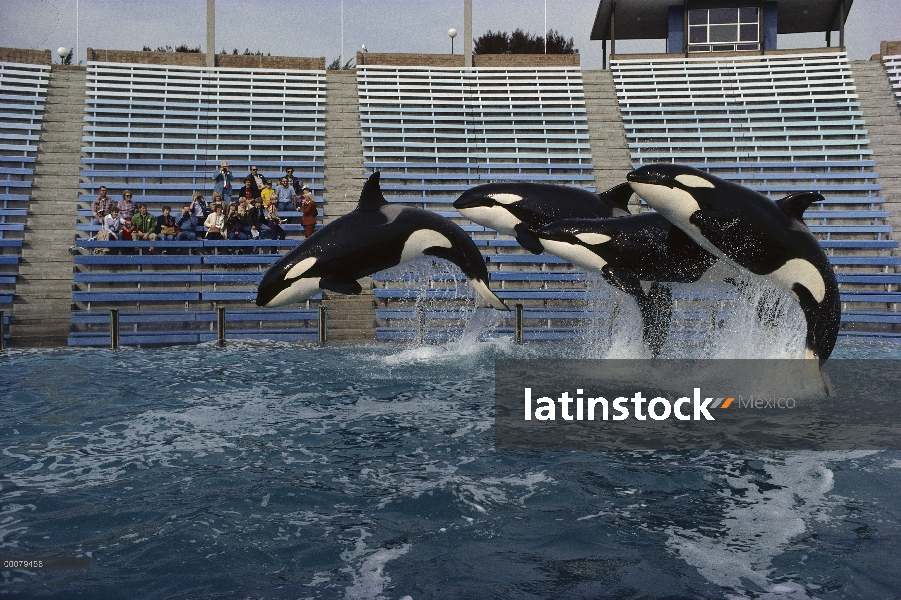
723, 29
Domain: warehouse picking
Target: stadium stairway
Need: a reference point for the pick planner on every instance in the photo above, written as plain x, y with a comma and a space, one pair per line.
609, 148
43, 297
351, 318
880, 110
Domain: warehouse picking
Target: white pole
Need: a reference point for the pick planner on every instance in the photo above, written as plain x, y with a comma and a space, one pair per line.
77, 49
342, 34
545, 26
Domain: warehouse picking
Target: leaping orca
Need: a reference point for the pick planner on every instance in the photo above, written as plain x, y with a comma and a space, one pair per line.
520, 209
751, 231
628, 250
375, 236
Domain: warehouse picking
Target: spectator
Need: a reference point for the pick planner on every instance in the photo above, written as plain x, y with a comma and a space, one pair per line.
216, 200
234, 224
101, 206
310, 212
257, 181
254, 218
285, 195
128, 234
187, 226
144, 224
275, 224
165, 225
268, 194
199, 208
247, 190
126, 206
293, 181
215, 224
223, 181
113, 224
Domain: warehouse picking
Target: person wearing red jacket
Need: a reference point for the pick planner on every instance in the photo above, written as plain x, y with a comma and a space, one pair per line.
308, 208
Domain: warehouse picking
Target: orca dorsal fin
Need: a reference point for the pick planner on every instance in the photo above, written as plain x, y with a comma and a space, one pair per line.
794, 205
619, 196
371, 197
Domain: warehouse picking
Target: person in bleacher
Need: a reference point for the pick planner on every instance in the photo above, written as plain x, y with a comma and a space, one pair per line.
215, 201
126, 206
187, 226
234, 224
215, 224
309, 210
166, 226
101, 206
285, 195
255, 221
113, 224
223, 181
144, 224
268, 194
257, 181
293, 181
199, 208
275, 224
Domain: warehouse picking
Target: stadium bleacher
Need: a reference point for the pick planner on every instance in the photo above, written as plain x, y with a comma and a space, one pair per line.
777, 124
161, 131
433, 133
23, 92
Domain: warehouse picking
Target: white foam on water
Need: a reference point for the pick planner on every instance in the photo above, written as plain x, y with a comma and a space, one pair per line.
759, 524
613, 326
726, 323
367, 567
166, 438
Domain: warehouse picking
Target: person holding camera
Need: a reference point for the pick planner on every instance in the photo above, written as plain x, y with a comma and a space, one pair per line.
223, 182
187, 226
199, 208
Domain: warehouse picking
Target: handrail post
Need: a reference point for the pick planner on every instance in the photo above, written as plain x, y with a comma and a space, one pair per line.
220, 324
323, 326
114, 328
517, 326
2, 333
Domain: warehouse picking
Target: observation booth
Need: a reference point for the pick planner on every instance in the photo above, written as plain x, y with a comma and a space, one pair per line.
710, 26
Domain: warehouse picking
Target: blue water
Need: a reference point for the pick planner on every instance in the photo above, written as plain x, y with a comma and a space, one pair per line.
292, 471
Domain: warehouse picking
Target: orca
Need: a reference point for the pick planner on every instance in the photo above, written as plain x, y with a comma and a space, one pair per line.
375, 236
629, 250
749, 230
520, 209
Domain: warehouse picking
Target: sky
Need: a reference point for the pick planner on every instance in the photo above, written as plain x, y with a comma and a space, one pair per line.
313, 27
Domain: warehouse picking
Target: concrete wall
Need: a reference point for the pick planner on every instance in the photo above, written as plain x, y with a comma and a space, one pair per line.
399, 59
24, 56
198, 59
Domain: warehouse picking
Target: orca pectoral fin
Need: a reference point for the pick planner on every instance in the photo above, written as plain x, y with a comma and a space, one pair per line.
656, 306
341, 286
528, 239
619, 196
623, 279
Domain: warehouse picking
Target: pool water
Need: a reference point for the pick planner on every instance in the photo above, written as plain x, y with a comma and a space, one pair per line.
284, 470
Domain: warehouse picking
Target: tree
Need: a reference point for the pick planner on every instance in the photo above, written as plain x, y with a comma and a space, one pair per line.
521, 42
335, 65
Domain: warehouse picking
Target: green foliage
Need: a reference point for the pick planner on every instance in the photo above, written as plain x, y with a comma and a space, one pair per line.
335, 65
520, 42
181, 48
